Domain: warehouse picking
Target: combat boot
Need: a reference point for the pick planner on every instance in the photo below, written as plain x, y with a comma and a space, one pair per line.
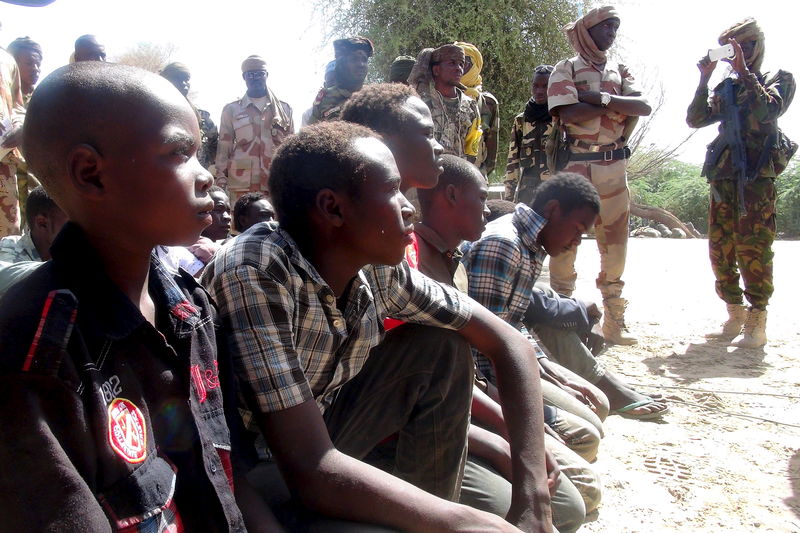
732, 327
754, 332
614, 329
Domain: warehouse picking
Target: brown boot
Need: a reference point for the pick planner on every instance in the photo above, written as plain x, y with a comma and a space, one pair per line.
614, 329
754, 332
732, 327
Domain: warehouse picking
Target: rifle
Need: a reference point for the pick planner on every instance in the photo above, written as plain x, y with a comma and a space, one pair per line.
733, 133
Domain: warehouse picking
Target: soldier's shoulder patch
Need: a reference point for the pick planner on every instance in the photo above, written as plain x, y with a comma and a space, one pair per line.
328, 112
320, 96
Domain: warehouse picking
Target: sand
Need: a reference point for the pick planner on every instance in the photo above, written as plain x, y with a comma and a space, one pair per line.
703, 468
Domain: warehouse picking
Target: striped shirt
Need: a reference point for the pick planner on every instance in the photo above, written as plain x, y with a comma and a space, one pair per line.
289, 340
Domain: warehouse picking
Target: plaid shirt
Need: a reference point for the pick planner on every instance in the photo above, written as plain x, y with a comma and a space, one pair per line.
503, 266
289, 340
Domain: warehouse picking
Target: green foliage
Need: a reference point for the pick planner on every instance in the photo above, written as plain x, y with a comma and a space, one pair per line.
678, 188
513, 35
788, 189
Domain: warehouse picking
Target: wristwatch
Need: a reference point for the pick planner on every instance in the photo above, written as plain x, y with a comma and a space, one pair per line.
605, 99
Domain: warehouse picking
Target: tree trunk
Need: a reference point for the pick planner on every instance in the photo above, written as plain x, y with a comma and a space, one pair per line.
662, 216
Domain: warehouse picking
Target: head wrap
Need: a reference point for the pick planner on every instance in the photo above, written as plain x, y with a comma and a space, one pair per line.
472, 79
348, 46
23, 43
745, 31
578, 33
420, 77
400, 69
254, 63
445, 52
174, 69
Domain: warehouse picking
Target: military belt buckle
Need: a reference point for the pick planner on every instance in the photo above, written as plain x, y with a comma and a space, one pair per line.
608, 155
594, 147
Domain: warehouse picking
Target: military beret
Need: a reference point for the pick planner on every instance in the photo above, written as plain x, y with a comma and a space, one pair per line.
401, 68
347, 46
254, 63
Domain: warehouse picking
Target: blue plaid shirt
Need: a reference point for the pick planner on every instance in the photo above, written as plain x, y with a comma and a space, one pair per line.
503, 266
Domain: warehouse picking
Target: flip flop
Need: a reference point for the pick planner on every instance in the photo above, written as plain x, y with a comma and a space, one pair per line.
625, 412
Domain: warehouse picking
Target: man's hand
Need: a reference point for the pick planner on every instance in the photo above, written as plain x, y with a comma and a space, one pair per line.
589, 97
553, 473
594, 312
706, 68
738, 62
595, 340
13, 139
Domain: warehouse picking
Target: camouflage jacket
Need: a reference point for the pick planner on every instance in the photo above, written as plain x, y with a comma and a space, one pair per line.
208, 138
248, 138
328, 104
451, 123
760, 103
490, 124
526, 156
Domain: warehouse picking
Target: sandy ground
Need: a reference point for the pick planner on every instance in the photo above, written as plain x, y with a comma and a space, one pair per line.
703, 468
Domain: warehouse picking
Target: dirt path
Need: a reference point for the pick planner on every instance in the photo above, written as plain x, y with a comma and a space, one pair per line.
701, 469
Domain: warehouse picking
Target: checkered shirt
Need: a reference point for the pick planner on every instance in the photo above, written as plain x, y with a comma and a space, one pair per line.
503, 266
289, 341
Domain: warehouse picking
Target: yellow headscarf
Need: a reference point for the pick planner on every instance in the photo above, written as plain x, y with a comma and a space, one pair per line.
578, 33
744, 31
472, 79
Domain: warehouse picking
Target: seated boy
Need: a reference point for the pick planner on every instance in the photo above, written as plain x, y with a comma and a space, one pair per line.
112, 410
306, 312
453, 212
504, 264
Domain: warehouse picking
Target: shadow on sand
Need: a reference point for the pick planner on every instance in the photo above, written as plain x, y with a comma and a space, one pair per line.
710, 359
793, 472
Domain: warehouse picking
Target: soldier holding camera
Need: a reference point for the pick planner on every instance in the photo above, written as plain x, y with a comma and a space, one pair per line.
741, 166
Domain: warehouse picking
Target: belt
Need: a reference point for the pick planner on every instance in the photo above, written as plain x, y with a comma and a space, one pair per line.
599, 147
608, 155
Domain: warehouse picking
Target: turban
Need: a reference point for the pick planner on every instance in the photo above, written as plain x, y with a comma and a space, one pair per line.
401, 68
23, 43
254, 63
578, 33
174, 69
348, 46
472, 78
745, 31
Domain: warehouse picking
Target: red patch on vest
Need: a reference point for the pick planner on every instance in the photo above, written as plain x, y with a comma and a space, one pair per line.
183, 310
127, 433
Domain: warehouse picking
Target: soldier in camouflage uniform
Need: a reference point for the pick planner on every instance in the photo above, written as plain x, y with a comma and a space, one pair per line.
250, 131
740, 240
28, 55
436, 76
595, 101
488, 106
12, 115
178, 75
527, 163
352, 60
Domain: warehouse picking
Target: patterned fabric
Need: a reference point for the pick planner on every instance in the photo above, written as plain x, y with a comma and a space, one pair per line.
760, 104
574, 75
526, 166
16, 248
290, 340
452, 119
502, 268
209, 137
12, 114
248, 138
742, 246
490, 125
328, 104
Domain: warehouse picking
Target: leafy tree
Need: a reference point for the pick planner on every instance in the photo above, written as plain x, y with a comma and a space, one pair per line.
513, 35
788, 189
149, 56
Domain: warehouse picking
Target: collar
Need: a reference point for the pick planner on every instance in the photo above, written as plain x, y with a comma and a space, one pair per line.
434, 239
246, 101
106, 311
528, 224
26, 243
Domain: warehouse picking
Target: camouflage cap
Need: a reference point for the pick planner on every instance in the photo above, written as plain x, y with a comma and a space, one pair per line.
447, 51
254, 62
351, 44
401, 68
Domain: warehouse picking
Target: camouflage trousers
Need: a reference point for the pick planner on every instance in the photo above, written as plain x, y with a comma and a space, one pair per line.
742, 246
9, 202
611, 230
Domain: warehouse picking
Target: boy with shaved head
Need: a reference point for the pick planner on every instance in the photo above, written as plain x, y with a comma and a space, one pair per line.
115, 406
305, 302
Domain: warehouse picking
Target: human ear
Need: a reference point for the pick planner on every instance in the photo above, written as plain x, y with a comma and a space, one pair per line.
551, 208
41, 222
328, 205
451, 193
85, 168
